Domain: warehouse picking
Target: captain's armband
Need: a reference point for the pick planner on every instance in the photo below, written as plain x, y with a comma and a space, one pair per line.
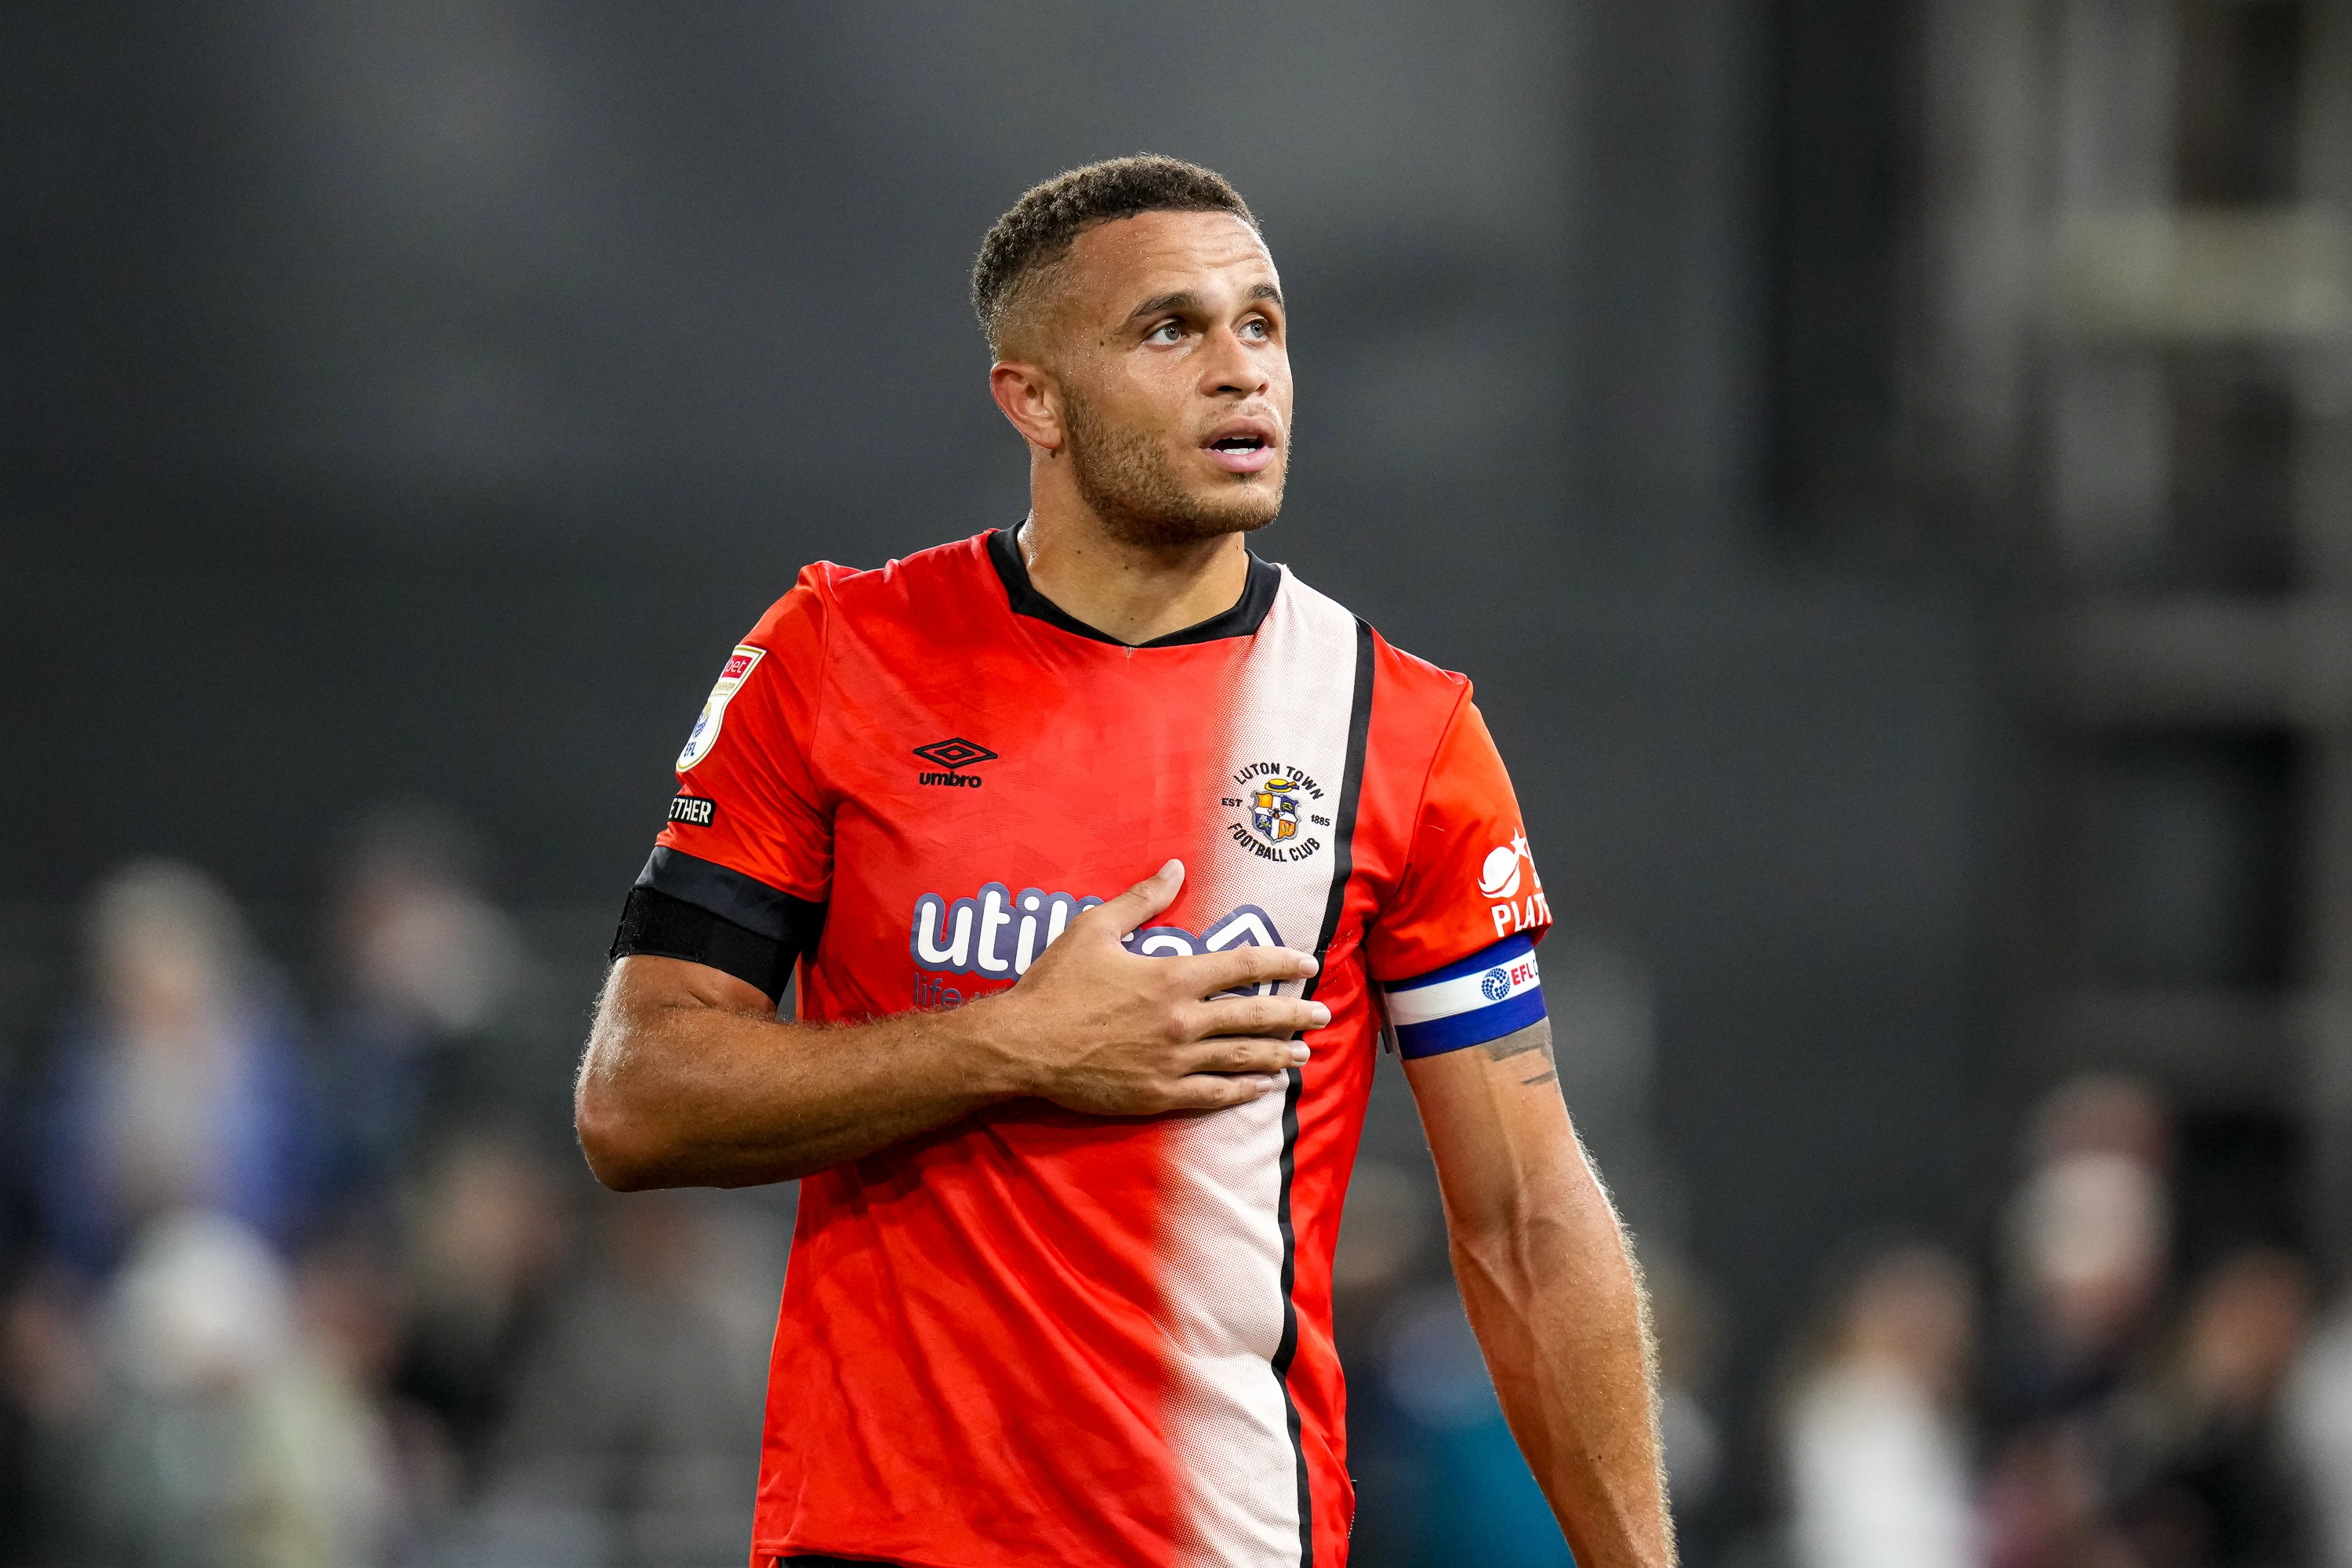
1491, 993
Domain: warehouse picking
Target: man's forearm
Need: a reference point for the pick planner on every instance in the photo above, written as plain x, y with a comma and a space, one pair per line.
689, 1080
1551, 1291
1557, 1303
676, 1095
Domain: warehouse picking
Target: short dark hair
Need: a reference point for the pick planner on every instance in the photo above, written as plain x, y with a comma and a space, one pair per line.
1043, 225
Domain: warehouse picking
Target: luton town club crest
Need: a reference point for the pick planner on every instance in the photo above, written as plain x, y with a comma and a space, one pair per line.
1281, 810
1274, 808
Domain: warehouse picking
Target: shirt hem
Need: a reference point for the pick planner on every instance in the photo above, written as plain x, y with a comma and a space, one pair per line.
764, 1555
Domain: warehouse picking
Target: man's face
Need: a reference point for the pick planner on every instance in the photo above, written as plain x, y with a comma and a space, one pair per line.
1168, 343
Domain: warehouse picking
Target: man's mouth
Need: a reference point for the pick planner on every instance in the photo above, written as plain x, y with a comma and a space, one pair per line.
1242, 452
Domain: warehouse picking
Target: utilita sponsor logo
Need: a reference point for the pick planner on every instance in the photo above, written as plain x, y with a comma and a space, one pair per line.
998, 933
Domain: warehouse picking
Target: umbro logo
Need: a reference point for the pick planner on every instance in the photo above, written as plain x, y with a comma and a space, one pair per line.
952, 754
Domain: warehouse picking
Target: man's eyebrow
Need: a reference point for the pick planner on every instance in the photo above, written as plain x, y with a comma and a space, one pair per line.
1186, 299
1183, 300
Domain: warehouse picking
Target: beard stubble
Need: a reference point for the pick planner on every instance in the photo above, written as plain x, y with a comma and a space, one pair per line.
1125, 479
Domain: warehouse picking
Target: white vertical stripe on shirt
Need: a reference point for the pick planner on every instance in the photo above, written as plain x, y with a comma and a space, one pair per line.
1222, 1245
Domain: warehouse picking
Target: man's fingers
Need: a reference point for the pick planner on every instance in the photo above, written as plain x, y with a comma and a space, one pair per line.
1236, 967
1216, 1090
1232, 1054
1131, 910
1257, 1015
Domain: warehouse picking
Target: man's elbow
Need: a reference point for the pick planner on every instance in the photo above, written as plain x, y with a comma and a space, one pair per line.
1526, 1245
616, 1157
619, 1138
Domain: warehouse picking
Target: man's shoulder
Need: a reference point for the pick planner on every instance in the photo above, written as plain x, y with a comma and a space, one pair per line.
1410, 673
897, 589
1400, 679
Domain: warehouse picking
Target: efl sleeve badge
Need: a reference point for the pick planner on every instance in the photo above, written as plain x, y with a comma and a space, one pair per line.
740, 665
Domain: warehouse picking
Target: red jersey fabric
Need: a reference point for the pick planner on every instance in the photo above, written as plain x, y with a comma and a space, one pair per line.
1037, 1337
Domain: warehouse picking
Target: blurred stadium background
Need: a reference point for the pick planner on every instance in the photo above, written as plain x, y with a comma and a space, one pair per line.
1883, 462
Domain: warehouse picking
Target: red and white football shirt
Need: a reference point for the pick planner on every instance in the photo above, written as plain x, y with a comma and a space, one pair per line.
1034, 1336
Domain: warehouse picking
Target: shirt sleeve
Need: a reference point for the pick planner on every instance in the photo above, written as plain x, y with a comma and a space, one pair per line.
1453, 949
740, 875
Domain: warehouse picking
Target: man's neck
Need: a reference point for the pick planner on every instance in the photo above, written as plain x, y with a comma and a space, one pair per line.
1134, 593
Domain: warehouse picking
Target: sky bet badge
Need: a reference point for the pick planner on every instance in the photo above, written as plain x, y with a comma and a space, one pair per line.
740, 665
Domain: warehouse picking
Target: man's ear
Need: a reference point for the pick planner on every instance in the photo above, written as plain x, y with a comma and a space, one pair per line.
1032, 399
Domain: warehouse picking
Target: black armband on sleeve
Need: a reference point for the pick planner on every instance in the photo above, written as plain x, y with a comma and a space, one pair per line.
689, 908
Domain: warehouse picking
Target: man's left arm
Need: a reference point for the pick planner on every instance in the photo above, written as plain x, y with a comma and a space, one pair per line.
1553, 1292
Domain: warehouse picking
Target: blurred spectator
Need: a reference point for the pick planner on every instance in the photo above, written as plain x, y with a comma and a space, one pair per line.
1688, 1323
226, 1440
179, 1086
1386, 1238
51, 1400
635, 1433
2205, 1478
1479, 1503
2088, 1242
1390, 1240
1878, 1455
2089, 1239
427, 969
486, 1235
2316, 1418
352, 1313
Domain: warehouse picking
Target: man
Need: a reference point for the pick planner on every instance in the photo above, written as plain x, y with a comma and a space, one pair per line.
1072, 1167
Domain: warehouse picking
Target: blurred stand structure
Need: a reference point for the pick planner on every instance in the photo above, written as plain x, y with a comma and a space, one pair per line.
2068, 302
2109, 331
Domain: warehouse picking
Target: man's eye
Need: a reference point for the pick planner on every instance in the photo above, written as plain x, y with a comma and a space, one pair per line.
1259, 328
1165, 333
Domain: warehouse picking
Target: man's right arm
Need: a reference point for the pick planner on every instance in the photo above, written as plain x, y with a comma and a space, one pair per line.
689, 1080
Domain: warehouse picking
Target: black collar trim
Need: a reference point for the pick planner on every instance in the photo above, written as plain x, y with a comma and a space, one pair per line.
1243, 620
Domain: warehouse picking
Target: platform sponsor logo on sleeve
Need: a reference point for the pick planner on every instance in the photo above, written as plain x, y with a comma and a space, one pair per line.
1508, 881
740, 665
1278, 809
693, 810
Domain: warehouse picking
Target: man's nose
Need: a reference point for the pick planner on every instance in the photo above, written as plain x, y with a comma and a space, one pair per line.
1232, 367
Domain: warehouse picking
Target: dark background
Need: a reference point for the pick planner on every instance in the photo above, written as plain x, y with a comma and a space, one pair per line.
420, 400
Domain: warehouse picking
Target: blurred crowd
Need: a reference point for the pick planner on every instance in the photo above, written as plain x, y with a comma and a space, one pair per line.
307, 1274
2093, 1404
302, 1269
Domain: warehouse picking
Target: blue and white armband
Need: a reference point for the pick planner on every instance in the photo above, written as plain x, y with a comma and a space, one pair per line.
1480, 998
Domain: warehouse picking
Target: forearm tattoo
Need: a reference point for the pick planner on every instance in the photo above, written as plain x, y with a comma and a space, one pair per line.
1534, 1043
